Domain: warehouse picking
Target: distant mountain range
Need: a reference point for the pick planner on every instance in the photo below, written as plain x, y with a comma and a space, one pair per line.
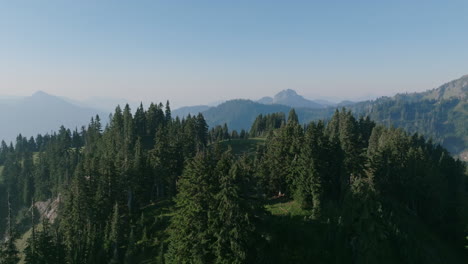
41, 113
440, 113
288, 98
240, 113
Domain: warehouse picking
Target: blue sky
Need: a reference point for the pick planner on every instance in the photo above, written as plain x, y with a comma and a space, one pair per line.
194, 52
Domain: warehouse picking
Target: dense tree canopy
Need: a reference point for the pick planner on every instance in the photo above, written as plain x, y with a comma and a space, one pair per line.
148, 188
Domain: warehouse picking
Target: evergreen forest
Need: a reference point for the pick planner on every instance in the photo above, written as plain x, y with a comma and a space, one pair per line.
150, 188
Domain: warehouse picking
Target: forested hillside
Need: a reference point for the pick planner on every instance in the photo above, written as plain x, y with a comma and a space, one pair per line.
440, 114
239, 114
149, 188
189, 110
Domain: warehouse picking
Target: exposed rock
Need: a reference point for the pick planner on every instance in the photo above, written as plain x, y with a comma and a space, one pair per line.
48, 209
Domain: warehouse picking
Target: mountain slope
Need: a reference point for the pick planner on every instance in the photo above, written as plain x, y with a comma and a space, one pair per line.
290, 98
454, 89
42, 113
265, 100
440, 114
240, 114
192, 110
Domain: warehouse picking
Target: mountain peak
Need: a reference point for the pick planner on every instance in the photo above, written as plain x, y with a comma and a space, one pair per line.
288, 92
290, 98
287, 95
41, 94
42, 98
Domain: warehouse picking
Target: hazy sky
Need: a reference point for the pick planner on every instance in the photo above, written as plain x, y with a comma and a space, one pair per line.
194, 52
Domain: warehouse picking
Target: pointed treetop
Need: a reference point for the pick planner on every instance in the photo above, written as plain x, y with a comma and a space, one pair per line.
292, 117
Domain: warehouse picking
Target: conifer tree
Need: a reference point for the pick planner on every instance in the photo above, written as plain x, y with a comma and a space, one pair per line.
168, 113
292, 116
190, 235
42, 249
202, 132
316, 179
140, 122
130, 253
128, 132
8, 251
115, 236
76, 210
283, 149
28, 178
231, 220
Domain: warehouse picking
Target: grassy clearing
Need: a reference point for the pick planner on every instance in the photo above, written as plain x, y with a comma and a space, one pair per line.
22, 242
293, 237
284, 207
